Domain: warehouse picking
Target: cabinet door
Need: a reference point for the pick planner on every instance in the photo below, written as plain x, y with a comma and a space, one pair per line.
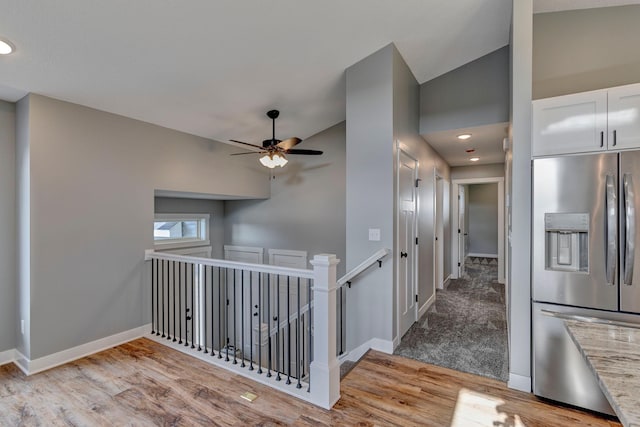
570, 124
624, 117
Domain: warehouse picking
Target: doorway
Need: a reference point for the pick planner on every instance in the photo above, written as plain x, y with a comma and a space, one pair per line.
459, 250
438, 231
406, 241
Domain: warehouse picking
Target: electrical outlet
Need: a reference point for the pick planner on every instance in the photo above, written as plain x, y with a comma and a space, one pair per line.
22, 326
374, 234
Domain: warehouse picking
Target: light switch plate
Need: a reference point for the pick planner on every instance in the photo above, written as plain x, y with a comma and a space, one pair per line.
374, 234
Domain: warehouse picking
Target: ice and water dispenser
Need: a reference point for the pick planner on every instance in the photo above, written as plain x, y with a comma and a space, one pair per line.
567, 241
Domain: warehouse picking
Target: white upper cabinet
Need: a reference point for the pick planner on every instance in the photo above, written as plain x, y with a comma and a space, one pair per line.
607, 119
624, 117
574, 123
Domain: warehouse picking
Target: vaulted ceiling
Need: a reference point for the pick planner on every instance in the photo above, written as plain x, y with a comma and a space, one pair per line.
214, 67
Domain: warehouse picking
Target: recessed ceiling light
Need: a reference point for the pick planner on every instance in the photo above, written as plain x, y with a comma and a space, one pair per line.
464, 136
474, 159
6, 47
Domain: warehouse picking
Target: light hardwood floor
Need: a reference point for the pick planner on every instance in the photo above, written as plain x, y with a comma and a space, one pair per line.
144, 383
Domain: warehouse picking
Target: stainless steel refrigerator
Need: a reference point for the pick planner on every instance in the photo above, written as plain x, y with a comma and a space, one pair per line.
585, 265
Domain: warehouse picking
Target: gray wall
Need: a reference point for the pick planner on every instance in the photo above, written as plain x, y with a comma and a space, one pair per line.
480, 171
474, 94
382, 110
406, 98
8, 295
215, 209
580, 50
92, 180
370, 194
307, 208
519, 305
483, 218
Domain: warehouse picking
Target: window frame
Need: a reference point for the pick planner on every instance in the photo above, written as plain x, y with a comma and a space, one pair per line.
203, 231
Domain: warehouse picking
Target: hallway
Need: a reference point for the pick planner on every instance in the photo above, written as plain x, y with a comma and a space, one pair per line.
465, 329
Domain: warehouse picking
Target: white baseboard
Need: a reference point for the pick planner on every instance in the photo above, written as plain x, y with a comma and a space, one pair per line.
449, 277
396, 343
519, 382
479, 255
40, 364
7, 356
384, 346
422, 310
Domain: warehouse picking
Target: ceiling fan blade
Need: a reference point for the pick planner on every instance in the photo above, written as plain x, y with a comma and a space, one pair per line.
289, 143
303, 151
248, 152
246, 143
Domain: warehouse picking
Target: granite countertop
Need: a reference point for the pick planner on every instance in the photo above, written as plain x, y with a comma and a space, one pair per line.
613, 353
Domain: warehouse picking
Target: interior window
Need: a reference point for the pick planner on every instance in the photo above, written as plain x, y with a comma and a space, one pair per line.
181, 230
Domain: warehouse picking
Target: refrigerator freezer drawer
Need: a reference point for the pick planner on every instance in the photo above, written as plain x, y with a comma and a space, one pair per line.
559, 370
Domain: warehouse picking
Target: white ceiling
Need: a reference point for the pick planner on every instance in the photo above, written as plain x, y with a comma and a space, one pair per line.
214, 67
486, 140
543, 6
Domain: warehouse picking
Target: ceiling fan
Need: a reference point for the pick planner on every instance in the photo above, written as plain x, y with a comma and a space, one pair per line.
275, 150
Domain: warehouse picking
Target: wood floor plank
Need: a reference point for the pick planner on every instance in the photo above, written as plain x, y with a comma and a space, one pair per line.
143, 383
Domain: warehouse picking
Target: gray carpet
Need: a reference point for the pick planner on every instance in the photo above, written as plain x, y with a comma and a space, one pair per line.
466, 328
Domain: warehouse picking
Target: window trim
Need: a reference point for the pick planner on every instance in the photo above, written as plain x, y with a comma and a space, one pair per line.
203, 231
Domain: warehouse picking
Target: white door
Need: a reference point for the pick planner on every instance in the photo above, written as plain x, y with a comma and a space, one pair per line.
406, 244
462, 231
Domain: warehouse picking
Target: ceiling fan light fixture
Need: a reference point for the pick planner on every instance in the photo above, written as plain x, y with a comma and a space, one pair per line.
272, 160
464, 136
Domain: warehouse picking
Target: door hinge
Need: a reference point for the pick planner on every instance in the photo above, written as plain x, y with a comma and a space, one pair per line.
458, 264
436, 238
418, 181
416, 240
416, 298
458, 231
458, 197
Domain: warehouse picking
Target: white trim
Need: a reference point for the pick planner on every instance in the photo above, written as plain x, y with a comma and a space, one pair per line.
438, 245
230, 249
30, 367
291, 390
395, 343
7, 356
501, 224
519, 382
427, 304
377, 344
299, 255
480, 255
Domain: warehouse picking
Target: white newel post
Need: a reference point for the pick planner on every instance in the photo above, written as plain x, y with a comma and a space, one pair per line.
325, 369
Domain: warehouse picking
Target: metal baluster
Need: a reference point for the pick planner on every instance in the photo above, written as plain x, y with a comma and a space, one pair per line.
235, 315
204, 299
341, 318
302, 364
259, 323
220, 313
212, 307
186, 307
180, 303
288, 330
163, 271
250, 322
226, 323
193, 310
173, 296
269, 324
298, 339
242, 315
309, 327
153, 283
277, 318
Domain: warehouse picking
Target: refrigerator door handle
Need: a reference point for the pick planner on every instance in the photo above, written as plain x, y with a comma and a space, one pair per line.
630, 228
612, 231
